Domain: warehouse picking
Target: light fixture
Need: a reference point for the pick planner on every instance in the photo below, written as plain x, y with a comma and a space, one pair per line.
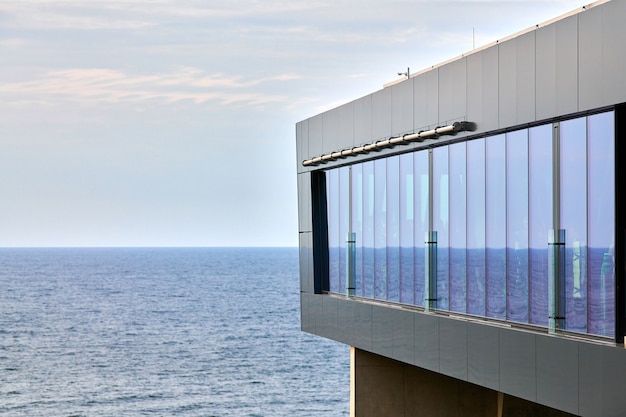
391, 142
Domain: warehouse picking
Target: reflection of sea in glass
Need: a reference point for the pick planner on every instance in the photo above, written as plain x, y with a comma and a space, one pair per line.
491, 201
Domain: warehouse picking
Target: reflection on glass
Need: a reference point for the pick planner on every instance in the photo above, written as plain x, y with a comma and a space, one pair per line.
368, 229
492, 207
332, 187
421, 205
540, 220
573, 150
440, 223
357, 225
517, 225
344, 225
393, 228
601, 224
380, 229
407, 215
495, 227
476, 227
458, 225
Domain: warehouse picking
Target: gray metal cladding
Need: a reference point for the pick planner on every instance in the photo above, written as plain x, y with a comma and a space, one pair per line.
402, 108
483, 353
482, 90
427, 342
306, 262
382, 330
516, 80
517, 364
362, 120
453, 348
381, 114
316, 135
557, 379
403, 336
304, 202
452, 91
426, 96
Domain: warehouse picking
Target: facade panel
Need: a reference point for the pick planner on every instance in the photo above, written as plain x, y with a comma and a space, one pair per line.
518, 364
557, 373
452, 91
453, 348
381, 114
483, 352
402, 108
426, 100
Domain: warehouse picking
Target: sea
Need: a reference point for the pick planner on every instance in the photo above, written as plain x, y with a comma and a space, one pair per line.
210, 332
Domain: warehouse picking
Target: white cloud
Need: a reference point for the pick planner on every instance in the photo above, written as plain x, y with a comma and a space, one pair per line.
113, 86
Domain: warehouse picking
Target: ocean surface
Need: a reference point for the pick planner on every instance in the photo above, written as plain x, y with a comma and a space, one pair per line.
161, 332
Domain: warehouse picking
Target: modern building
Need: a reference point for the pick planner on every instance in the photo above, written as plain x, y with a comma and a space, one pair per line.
463, 229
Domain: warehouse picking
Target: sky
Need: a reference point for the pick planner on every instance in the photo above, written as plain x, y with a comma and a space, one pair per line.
172, 122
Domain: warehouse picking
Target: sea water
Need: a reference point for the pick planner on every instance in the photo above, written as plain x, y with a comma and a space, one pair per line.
161, 332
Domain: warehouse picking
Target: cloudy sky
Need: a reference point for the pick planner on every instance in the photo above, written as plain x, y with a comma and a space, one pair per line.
172, 122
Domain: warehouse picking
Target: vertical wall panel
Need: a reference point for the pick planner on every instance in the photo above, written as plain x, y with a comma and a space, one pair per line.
426, 99
306, 262
452, 91
613, 59
363, 120
427, 342
316, 135
590, 58
566, 66
402, 107
483, 352
330, 129
453, 348
507, 83
362, 326
403, 335
482, 89
517, 364
546, 67
345, 127
304, 202
525, 78
381, 114
382, 331
557, 373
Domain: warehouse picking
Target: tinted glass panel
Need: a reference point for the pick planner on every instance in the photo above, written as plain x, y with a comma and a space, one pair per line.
476, 227
540, 220
574, 220
393, 228
495, 226
441, 222
332, 186
368, 229
421, 204
601, 224
380, 229
407, 218
458, 225
517, 225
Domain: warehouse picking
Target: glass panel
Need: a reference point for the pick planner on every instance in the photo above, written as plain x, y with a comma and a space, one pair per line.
601, 227
393, 229
332, 189
440, 222
368, 229
344, 224
540, 220
476, 227
495, 227
380, 229
458, 225
421, 205
357, 225
573, 151
407, 215
517, 225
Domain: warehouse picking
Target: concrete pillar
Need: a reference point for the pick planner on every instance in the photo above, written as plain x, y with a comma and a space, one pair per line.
383, 387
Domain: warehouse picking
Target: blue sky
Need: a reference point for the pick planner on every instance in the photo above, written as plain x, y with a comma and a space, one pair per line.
172, 123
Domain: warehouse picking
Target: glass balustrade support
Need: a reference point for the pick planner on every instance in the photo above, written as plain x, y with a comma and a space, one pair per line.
556, 280
350, 264
430, 282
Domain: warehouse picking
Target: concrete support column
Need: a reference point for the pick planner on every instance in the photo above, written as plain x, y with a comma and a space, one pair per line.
383, 387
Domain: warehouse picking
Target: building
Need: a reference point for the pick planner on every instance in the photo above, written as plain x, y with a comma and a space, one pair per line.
463, 229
